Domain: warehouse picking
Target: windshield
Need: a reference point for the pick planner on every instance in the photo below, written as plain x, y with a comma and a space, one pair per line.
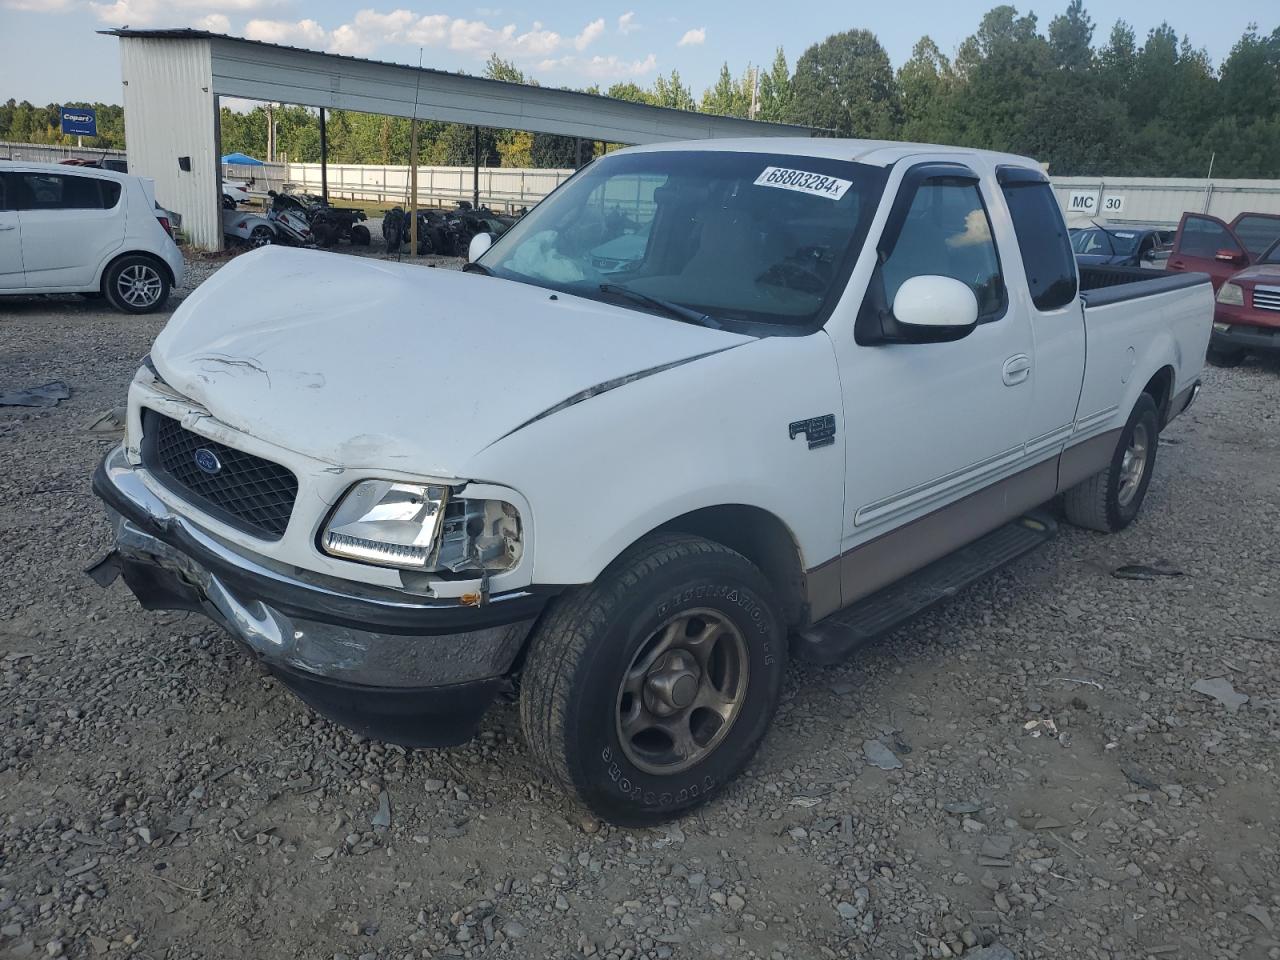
1094, 240
1272, 255
739, 237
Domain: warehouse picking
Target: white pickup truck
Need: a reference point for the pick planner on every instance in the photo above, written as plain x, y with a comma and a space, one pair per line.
708, 406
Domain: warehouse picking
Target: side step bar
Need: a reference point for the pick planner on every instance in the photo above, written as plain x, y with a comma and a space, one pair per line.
831, 640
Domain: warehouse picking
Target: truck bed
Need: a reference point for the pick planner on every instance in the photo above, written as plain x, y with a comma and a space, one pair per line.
1103, 285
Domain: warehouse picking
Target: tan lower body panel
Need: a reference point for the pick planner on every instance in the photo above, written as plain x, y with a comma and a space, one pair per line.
877, 563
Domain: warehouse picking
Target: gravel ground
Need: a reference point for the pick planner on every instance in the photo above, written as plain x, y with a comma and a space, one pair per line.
1058, 788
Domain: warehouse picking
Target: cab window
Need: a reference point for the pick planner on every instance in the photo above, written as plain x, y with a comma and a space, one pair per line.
947, 233
1204, 237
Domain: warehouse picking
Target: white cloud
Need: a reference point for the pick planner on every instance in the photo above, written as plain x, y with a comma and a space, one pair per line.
146, 13
599, 67
693, 38
363, 34
590, 33
627, 22
302, 33
214, 23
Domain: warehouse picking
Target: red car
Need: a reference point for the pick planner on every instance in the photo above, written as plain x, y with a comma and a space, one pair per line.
1246, 318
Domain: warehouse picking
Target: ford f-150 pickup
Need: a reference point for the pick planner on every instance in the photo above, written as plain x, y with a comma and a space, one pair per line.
709, 406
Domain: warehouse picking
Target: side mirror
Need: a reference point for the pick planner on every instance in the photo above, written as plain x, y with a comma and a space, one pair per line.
1230, 256
936, 308
479, 244
1149, 256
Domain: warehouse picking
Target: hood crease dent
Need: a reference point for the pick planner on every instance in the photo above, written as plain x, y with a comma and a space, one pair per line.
605, 387
373, 364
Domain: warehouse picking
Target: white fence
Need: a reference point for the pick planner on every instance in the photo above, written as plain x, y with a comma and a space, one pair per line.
1161, 200
500, 187
53, 152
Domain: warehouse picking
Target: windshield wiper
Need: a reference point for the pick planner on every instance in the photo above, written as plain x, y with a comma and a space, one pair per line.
673, 310
480, 268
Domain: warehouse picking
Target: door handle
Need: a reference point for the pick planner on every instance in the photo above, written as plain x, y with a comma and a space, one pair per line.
1016, 369
8, 226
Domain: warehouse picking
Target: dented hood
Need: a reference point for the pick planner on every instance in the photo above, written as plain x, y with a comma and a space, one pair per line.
369, 363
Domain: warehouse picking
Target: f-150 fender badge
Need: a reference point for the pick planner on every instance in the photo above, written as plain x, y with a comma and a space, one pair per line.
819, 431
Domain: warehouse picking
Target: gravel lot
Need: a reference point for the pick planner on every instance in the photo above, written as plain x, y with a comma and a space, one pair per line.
1062, 791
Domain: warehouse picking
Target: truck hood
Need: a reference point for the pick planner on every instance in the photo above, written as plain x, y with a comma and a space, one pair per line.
373, 364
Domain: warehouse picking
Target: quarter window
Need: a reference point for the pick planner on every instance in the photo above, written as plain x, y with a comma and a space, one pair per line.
1047, 258
947, 233
58, 191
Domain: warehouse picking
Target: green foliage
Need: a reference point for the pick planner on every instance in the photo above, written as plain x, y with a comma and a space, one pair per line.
22, 122
775, 90
729, 97
845, 84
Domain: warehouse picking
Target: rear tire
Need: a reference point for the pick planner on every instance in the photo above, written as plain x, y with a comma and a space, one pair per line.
360, 235
1225, 358
1110, 499
261, 236
647, 691
136, 284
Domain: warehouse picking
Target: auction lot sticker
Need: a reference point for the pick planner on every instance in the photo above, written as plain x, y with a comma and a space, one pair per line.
817, 184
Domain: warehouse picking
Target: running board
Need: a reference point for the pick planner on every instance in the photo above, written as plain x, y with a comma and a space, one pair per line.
831, 640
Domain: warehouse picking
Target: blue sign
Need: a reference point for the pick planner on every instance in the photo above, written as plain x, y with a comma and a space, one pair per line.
79, 121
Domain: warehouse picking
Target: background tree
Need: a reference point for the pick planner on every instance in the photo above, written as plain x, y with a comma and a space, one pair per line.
776, 100
846, 85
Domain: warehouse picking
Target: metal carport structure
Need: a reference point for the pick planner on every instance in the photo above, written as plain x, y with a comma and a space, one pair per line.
173, 80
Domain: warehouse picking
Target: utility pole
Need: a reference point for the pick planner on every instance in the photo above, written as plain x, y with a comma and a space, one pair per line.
754, 109
271, 133
324, 160
475, 167
413, 188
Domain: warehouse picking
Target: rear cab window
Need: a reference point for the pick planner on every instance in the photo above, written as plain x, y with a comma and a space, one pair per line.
1043, 240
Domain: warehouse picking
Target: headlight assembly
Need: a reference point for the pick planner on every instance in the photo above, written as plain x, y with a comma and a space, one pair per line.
1231, 294
428, 528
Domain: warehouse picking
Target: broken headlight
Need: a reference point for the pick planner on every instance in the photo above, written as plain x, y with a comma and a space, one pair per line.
431, 528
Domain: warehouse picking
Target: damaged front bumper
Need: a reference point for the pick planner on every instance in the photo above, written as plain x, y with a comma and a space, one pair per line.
395, 667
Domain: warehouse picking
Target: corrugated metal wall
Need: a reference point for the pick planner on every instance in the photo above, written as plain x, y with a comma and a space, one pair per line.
169, 112
1161, 200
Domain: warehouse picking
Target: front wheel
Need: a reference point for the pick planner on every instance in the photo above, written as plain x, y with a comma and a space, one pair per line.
261, 236
360, 235
647, 691
136, 284
1225, 357
1110, 499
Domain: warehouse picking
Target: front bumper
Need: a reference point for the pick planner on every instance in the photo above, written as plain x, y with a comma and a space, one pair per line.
392, 666
1238, 336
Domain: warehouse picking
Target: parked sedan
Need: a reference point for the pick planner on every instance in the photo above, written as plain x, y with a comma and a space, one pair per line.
1121, 246
71, 229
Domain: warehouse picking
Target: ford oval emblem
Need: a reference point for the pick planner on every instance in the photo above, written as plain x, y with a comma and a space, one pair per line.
207, 460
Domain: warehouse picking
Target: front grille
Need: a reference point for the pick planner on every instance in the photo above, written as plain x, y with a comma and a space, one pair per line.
244, 491
1266, 298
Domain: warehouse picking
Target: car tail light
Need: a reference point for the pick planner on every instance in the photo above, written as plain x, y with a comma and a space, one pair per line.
242, 224
164, 222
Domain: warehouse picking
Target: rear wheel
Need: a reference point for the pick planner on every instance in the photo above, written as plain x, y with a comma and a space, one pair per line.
261, 236
360, 235
647, 691
1110, 499
136, 284
1225, 357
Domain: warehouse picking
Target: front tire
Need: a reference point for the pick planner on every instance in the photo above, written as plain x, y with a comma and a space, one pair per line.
261, 236
136, 284
1110, 499
647, 691
360, 235
1225, 357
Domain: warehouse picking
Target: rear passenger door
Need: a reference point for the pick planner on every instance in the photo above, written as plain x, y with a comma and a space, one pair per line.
1048, 294
11, 274
71, 223
1206, 244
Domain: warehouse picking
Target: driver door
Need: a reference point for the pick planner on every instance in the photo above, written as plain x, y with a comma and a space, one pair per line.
933, 428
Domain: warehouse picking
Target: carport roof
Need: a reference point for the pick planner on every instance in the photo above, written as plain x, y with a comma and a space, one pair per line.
259, 70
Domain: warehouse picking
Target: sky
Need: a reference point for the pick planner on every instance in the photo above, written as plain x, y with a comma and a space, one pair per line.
50, 51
